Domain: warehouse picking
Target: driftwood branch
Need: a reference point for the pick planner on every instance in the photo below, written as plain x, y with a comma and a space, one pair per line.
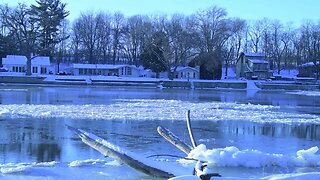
194, 144
174, 156
114, 152
110, 150
199, 171
173, 139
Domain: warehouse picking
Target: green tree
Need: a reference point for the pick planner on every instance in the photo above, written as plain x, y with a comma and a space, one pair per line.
210, 65
153, 56
48, 15
151, 59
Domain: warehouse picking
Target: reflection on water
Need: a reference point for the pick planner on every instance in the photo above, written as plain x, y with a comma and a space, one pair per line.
21, 143
304, 131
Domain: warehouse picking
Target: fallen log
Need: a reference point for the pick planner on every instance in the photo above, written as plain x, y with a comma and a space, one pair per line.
110, 150
173, 139
199, 169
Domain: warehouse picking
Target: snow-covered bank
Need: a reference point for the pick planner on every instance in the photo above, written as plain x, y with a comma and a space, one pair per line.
234, 157
11, 168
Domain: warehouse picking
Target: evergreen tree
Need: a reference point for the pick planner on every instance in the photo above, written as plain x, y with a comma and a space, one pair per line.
154, 53
151, 58
48, 14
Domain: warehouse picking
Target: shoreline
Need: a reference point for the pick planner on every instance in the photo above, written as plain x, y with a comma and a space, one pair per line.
112, 81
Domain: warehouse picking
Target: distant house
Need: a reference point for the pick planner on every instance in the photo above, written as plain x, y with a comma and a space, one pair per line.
106, 70
186, 72
40, 65
252, 66
18, 64
309, 69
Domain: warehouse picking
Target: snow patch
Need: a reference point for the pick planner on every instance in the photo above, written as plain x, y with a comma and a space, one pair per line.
233, 157
306, 93
79, 163
11, 168
251, 85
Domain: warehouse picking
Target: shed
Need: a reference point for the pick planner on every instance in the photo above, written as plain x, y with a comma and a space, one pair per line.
186, 72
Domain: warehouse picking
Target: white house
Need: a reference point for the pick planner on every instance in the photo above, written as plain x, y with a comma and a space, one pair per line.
14, 63
186, 72
106, 70
40, 65
18, 64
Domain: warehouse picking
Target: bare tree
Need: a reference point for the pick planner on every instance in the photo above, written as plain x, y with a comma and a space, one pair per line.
278, 46
63, 46
234, 43
18, 22
104, 38
181, 42
86, 28
214, 29
138, 29
118, 24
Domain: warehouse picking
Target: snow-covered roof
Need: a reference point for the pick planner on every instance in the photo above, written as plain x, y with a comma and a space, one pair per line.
14, 60
41, 60
309, 64
22, 60
258, 61
251, 54
100, 66
182, 68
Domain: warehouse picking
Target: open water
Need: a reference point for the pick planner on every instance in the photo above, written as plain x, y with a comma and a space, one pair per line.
35, 143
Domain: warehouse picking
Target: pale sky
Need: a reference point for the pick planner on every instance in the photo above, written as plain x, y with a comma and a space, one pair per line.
294, 11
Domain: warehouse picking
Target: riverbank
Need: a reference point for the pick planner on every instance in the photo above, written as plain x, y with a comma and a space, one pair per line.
122, 81
157, 83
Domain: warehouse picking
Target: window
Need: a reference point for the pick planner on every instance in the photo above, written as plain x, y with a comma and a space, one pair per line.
43, 70
129, 71
34, 69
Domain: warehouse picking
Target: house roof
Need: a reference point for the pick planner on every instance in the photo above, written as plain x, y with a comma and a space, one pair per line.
182, 68
309, 64
22, 60
258, 61
41, 60
14, 60
100, 66
251, 54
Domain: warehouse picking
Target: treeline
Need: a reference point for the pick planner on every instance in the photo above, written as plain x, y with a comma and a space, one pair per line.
208, 38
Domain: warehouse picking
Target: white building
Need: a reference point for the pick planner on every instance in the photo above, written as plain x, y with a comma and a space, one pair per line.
106, 70
186, 72
18, 64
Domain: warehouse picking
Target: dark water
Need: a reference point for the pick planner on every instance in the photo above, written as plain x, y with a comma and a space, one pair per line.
26, 140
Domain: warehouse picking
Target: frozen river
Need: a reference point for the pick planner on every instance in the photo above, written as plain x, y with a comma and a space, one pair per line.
35, 144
